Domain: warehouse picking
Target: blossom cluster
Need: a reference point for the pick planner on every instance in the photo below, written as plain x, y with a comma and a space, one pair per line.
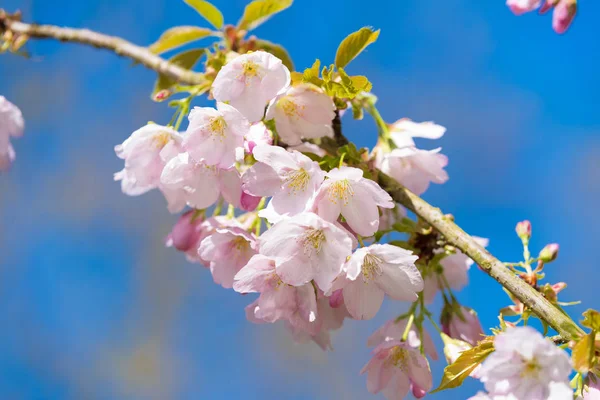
562, 16
11, 125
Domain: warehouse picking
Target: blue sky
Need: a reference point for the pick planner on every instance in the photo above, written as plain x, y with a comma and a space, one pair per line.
93, 306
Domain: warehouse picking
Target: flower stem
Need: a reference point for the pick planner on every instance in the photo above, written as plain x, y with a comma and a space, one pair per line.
409, 323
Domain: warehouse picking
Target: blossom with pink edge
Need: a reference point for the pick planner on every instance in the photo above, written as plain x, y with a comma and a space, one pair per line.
393, 330
306, 247
463, 324
11, 125
214, 134
258, 134
303, 111
289, 176
525, 365
395, 369
187, 182
250, 81
146, 152
455, 269
563, 15
519, 7
371, 272
357, 199
277, 300
228, 250
592, 390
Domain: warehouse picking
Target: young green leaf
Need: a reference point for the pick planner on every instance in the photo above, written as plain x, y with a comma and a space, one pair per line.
353, 45
277, 50
583, 354
177, 37
259, 11
186, 59
311, 75
457, 372
208, 11
591, 320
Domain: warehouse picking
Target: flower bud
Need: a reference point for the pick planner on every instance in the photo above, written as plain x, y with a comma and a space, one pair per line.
549, 253
336, 299
563, 15
519, 7
463, 324
162, 95
417, 391
523, 230
185, 233
249, 202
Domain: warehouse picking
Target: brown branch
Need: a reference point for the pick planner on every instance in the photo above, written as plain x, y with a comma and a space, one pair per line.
115, 44
534, 300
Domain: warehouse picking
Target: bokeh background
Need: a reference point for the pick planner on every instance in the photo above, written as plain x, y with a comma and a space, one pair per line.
93, 306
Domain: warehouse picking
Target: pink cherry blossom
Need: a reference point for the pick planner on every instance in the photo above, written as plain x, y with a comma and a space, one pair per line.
184, 181
375, 271
304, 111
289, 176
393, 330
463, 324
481, 396
11, 125
307, 147
455, 269
213, 135
146, 152
563, 15
346, 192
525, 365
519, 7
257, 135
404, 130
306, 247
277, 300
250, 81
394, 367
228, 250
592, 391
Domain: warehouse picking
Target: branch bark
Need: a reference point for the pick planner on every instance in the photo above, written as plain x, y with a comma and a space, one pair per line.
115, 44
534, 300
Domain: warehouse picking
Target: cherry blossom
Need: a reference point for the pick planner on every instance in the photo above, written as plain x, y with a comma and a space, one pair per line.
519, 7
375, 271
563, 15
250, 81
592, 391
394, 367
306, 247
277, 300
346, 192
146, 152
257, 135
304, 111
393, 330
184, 181
228, 250
11, 125
462, 324
214, 134
525, 365
289, 176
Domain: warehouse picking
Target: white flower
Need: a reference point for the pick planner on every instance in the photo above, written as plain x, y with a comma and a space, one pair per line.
146, 152
11, 125
250, 81
526, 366
289, 176
346, 192
304, 111
213, 135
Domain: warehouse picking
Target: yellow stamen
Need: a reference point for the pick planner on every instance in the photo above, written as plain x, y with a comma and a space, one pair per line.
290, 108
240, 243
371, 267
217, 126
297, 180
398, 358
340, 191
161, 139
532, 369
312, 240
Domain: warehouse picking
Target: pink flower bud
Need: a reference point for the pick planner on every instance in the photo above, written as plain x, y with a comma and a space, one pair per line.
523, 230
563, 15
519, 7
336, 299
417, 391
249, 202
185, 233
548, 4
549, 253
463, 324
162, 95
558, 287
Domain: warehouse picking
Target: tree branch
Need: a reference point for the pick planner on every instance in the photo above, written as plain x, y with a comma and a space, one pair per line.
115, 44
534, 300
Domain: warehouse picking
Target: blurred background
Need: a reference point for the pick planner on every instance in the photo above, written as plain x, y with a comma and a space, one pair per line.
93, 306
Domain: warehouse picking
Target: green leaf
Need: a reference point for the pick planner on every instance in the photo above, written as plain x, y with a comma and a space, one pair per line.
177, 37
259, 11
349, 87
186, 59
311, 75
208, 11
583, 354
353, 45
457, 372
277, 50
591, 320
